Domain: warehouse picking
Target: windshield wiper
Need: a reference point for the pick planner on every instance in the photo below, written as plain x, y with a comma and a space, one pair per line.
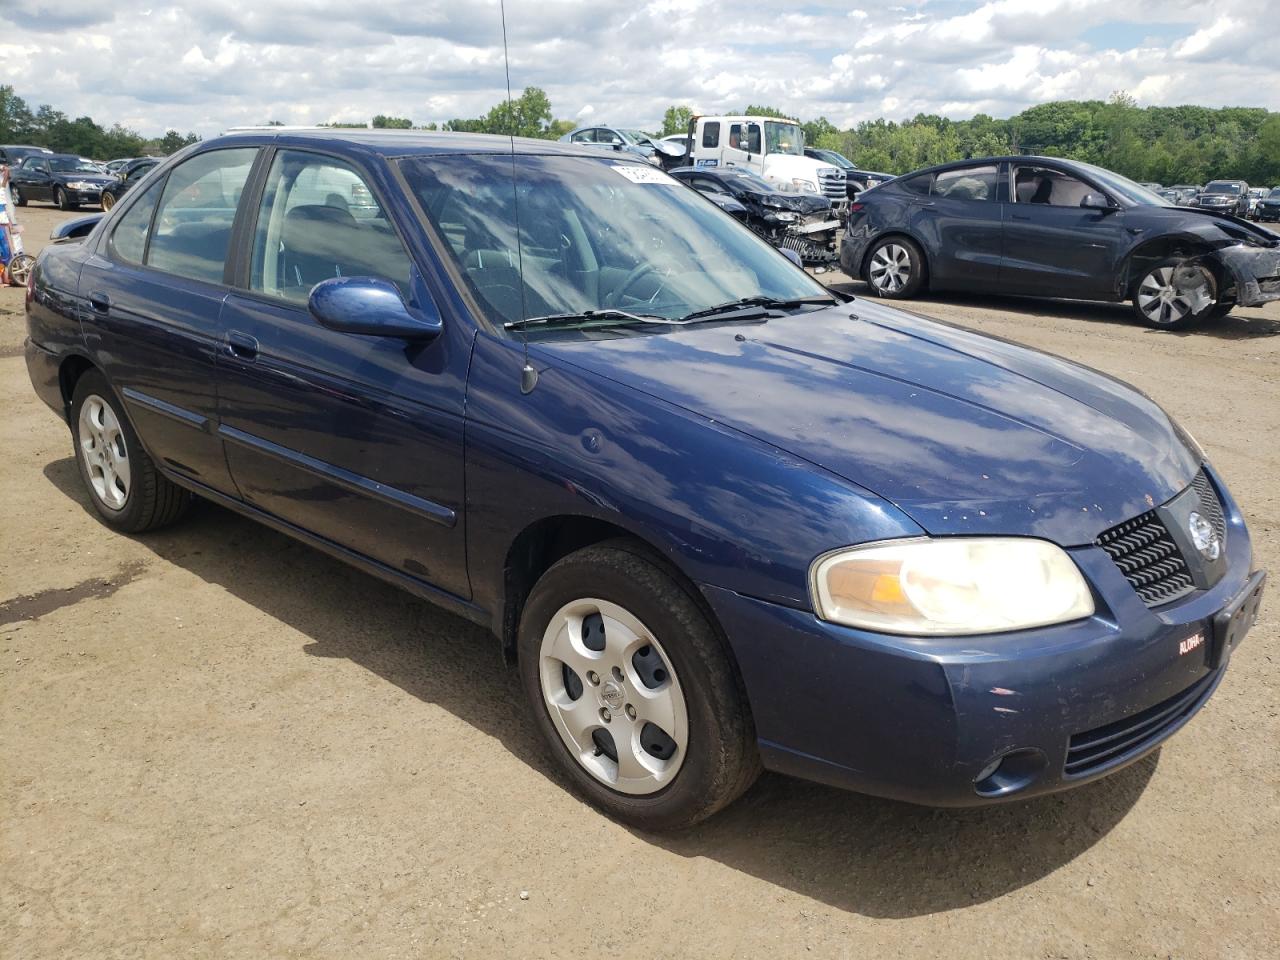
744, 305
606, 317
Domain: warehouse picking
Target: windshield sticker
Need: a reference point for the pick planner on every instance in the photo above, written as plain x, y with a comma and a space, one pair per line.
645, 175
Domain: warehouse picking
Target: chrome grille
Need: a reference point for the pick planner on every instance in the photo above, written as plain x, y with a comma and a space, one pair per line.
831, 181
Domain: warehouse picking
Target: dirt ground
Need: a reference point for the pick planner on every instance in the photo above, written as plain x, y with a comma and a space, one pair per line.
217, 742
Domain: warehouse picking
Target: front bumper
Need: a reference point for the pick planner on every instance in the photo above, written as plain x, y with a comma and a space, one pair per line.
1256, 272
921, 719
92, 195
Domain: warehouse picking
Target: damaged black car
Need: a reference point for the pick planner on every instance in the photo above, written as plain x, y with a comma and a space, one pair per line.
1045, 227
802, 222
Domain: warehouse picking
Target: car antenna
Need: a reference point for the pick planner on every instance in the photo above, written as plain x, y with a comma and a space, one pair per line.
528, 375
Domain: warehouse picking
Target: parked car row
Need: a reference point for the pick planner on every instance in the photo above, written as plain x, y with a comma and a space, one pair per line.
67, 180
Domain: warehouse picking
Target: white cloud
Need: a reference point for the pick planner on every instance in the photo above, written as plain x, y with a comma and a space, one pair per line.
205, 65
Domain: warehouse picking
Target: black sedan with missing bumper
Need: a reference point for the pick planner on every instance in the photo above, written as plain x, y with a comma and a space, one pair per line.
1040, 226
803, 222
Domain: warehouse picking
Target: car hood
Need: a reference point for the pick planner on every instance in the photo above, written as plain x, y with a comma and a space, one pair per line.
796, 202
101, 178
1221, 219
966, 434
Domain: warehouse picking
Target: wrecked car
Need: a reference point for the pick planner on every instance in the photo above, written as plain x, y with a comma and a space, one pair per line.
1045, 227
802, 222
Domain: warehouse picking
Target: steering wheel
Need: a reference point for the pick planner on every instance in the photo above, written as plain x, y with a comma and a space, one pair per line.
641, 270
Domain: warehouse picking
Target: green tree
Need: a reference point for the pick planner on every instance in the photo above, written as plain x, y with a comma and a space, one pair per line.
755, 111
676, 119
383, 122
16, 121
173, 141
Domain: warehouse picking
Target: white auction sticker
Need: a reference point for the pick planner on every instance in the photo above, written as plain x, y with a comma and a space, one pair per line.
638, 174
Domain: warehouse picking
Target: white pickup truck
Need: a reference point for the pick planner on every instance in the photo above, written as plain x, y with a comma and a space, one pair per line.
770, 147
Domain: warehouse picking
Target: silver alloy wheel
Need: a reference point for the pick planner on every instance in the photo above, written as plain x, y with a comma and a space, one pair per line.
15, 195
613, 697
102, 447
20, 269
1162, 301
890, 269
107, 201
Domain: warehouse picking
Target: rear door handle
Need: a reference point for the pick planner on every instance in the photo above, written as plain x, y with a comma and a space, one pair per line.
100, 302
241, 345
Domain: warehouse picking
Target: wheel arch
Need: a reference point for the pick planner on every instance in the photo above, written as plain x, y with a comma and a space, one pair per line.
543, 542
1152, 251
70, 370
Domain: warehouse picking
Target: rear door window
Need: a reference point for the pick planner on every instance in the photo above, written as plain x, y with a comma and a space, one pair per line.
967, 183
193, 223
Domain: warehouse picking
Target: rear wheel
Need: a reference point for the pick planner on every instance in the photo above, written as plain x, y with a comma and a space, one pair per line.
126, 489
895, 268
1176, 293
632, 689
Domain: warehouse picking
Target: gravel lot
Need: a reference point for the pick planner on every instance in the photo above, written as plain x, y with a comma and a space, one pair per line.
217, 742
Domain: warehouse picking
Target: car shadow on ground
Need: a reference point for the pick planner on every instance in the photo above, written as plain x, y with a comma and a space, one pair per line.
859, 854
1241, 324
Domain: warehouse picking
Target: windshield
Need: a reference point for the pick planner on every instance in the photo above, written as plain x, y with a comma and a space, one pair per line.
72, 165
1124, 187
830, 156
635, 136
783, 138
1221, 186
594, 235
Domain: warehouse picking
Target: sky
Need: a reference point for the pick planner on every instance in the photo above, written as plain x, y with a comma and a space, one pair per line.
205, 65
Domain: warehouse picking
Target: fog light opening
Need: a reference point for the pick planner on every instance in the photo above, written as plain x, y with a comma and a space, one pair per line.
1010, 773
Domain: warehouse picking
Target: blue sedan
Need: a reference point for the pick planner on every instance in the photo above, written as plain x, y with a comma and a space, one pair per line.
719, 517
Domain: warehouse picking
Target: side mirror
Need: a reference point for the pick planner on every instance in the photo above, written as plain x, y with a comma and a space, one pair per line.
75, 229
1096, 201
370, 306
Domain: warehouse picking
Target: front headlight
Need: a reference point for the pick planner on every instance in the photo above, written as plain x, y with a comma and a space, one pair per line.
80, 185
807, 185
950, 586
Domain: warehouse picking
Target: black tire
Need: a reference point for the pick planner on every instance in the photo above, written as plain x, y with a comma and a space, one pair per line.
1148, 287
153, 501
62, 200
721, 760
16, 196
895, 268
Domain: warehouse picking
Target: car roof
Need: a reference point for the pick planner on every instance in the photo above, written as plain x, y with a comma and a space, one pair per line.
398, 143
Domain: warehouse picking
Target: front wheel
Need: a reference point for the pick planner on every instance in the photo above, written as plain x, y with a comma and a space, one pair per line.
895, 268
1175, 294
126, 489
15, 193
633, 689
62, 200
108, 201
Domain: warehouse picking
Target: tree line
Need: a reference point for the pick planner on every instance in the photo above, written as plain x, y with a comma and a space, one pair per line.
1168, 145
83, 136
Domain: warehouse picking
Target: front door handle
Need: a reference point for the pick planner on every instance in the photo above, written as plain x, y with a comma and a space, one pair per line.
242, 345
100, 302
